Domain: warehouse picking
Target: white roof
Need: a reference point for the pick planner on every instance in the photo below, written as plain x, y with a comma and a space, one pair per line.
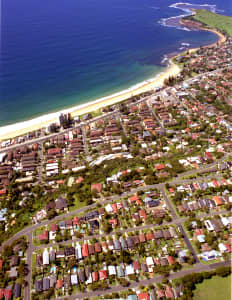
129, 270
112, 270
45, 257
149, 261
74, 279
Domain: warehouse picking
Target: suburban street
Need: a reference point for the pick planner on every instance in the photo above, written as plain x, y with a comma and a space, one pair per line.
196, 269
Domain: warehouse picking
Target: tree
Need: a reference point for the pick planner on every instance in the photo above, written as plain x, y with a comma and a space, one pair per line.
223, 271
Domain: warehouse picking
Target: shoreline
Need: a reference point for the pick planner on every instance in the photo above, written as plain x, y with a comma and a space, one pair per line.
10, 131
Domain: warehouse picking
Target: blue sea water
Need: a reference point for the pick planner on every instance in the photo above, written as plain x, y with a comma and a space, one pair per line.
57, 54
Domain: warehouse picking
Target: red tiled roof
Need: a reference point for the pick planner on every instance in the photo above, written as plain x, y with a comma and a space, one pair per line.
54, 227
84, 250
59, 283
102, 274
114, 206
1, 293
160, 167
8, 294
143, 296
97, 187
75, 221
44, 236
171, 260
95, 276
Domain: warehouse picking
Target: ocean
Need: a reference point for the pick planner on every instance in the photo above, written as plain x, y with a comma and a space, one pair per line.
57, 54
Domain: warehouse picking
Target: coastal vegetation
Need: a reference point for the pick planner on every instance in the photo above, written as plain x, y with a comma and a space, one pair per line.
213, 21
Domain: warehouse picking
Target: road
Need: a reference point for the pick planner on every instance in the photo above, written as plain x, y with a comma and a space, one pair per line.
41, 161
123, 231
27, 288
85, 140
181, 229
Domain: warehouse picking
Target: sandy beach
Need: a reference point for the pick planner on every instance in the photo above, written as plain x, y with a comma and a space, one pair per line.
17, 129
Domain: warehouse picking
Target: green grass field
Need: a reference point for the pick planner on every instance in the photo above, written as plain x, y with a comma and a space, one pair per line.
216, 288
220, 22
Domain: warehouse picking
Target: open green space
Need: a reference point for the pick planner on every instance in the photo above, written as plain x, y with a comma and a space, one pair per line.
213, 20
214, 289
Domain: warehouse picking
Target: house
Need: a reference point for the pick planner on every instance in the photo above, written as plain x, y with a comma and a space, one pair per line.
62, 225
46, 284
67, 281
97, 187
1, 293
168, 292
112, 270
91, 249
14, 261
78, 251
149, 236
59, 284
142, 214
136, 265
81, 275
130, 242
129, 270
68, 224
143, 296
52, 255
13, 273
102, 274
120, 271
163, 261
135, 198
74, 280
43, 237
142, 238
160, 293
123, 243
45, 257
54, 227
8, 292
61, 204
171, 260
85, 251
117, 245
95, 276
52, 280
39, 285
39, 260
210, 255
132, 297
144, 268
149, 261
98, 247
69, 251
166, 234
75, 221
60, 254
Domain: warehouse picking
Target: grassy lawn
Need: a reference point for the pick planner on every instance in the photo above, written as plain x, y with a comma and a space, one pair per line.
220, 22
77, 204
214, 289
